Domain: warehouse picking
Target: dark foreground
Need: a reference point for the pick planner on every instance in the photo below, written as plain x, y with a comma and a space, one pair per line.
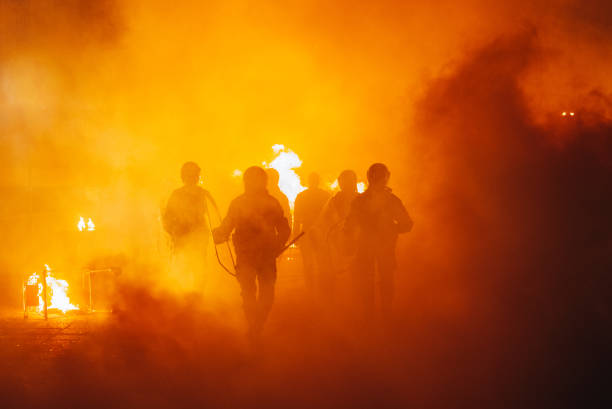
160, 351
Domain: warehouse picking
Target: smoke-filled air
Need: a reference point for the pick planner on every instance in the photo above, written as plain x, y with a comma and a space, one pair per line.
305, 204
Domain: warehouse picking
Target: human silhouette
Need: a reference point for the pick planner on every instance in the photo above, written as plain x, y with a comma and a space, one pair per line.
184, 218
375, 220
274, 190
308, 207
334, 218
260, 232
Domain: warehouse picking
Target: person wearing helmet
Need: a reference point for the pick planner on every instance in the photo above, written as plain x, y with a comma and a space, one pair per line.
375, 220
184, 219
333, 219
308, 207
260, 232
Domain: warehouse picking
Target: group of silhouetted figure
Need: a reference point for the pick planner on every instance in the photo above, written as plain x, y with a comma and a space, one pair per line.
349, 231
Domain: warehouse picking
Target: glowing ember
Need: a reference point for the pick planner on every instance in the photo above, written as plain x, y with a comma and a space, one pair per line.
56, 290
81, 224
285, 162
89, 226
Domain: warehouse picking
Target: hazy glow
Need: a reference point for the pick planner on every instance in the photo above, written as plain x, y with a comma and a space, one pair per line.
334, 186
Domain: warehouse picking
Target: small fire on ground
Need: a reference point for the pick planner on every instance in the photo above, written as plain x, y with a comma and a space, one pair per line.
57, 292
89, 226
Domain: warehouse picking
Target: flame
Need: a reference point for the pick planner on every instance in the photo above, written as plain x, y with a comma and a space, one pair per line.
361, 187
285, 162
56, 290
89, 226
81, 224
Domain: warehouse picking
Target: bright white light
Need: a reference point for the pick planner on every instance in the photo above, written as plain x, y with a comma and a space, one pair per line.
285, 162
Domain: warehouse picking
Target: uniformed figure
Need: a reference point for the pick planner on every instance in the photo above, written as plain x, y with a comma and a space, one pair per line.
185, 220
260, 232
334, 218
274, 190
308, 207
375, 220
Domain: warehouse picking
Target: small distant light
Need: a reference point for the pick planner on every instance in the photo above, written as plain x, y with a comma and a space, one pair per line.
237, 173
571, 114
563, 113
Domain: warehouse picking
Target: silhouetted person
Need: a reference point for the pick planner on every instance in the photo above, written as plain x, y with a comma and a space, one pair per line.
184, 218
334, 218
260, 232
308, 207
274, 190
375, 220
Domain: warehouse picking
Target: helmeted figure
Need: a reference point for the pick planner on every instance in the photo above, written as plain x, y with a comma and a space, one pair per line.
333, 219
375, 220
308, 207
260, 232
185, 220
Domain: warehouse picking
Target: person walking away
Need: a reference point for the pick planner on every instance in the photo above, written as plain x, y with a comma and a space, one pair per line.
375, 220
184, 219
333, 220
260, 233
308, 207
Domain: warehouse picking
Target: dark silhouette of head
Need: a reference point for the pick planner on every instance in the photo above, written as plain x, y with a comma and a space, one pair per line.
347, 181
255, 179
378, 176
190, 173
273, 177
313, 180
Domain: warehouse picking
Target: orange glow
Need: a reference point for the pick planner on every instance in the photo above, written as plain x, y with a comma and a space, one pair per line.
57, 292
334, 186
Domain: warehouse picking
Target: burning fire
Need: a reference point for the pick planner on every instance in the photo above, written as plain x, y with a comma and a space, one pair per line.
89, 226
56, 292
285, 162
